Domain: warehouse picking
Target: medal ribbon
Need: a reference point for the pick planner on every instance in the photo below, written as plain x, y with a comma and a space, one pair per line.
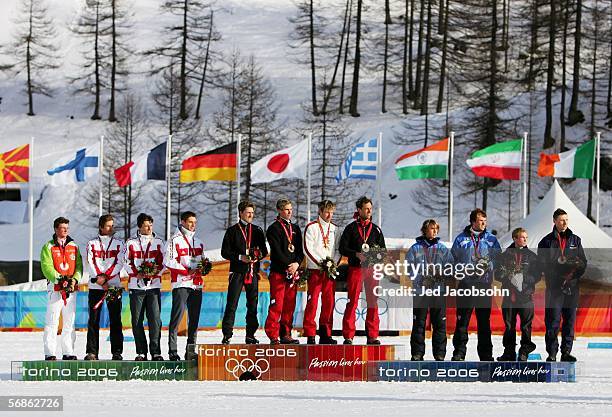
325, 236
562, 243
361, 233
197, 280
476, 243
288, 232
248, 279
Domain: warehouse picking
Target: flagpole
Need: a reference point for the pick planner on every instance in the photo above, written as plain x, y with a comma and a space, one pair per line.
168, 172
451, 150
378, 179
598, 162
238, 162
308, 177
31, 212
101, 174
525, 173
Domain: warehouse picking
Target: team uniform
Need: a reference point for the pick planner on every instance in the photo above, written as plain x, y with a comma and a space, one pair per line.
472, 247
320, 243
145, 296
243, 239
183, 252
357, 236
285, 239
562, 286
60, 259
428, 252
521, 287
105, 255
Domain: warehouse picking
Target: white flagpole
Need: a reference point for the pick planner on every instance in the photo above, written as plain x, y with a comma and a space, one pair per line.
451, 150
31, 212
598, 162
101, 174
525, 173
168, 197
238, 162
378, 179
308, 177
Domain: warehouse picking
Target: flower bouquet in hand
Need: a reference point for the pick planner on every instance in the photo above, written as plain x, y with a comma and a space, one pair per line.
205, 266
570, 266
114, 294
328, 265
66, 285
374, 255
299, 277
148, 270
254, 255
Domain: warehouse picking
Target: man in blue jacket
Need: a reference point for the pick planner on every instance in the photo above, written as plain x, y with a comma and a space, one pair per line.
434, 255
562, 260
474, 246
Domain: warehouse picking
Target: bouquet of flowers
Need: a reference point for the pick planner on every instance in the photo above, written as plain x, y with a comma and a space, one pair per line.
148, 270
254, 255
484, 262
375, 255
205, 266
299, 277
432, 281
113, 294
328, 265
571, 265
66, 285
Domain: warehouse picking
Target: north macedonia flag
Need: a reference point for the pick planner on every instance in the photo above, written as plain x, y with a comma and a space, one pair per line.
15, 165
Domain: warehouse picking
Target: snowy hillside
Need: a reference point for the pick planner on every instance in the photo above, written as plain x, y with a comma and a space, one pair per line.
258, 27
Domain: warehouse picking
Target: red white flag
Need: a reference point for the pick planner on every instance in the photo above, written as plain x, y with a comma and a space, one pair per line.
151, 166
286, 163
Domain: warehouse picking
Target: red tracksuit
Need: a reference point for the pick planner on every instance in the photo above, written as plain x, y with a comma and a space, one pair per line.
353, 237
282, 291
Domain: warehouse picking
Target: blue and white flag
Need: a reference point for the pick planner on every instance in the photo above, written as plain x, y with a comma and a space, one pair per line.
75, 168
361, 162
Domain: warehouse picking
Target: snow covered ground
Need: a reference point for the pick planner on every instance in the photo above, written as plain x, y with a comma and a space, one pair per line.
591, 395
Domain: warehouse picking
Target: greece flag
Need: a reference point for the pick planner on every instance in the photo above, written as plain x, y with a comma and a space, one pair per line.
361, 162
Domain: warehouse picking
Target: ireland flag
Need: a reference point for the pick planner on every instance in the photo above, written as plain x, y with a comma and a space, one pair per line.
429, 162
575, 163
501, 161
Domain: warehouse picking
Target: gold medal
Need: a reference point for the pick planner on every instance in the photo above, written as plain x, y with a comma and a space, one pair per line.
291, 248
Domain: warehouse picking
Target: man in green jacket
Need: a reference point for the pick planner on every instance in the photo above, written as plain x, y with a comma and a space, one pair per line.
62, 266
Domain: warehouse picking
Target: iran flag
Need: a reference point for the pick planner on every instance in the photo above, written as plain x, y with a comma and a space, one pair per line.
286, 163
151, 166
501, 161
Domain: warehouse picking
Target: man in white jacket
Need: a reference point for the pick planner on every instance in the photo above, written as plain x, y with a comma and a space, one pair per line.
145, 286
320, 242
184, 252
105, 256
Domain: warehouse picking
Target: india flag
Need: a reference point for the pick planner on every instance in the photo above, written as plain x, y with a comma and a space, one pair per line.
575, 163
501, 161
429, 162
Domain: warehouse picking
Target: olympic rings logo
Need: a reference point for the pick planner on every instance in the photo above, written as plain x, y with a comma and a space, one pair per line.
360, 313
237, 368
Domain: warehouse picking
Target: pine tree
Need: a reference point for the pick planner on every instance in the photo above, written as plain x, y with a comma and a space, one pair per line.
33, 51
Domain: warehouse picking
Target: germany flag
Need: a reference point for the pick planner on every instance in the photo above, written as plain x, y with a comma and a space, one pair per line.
15, 165
216, 165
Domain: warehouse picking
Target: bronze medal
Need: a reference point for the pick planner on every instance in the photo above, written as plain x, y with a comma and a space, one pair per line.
291, 248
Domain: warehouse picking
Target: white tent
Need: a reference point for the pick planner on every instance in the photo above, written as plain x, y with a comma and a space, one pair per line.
539, 223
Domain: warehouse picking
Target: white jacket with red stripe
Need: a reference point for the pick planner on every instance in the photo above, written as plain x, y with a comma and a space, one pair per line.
105, 255
135, 250
179, 260
314, 247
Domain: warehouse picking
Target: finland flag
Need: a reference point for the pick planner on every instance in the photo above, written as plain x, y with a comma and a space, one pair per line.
76, 168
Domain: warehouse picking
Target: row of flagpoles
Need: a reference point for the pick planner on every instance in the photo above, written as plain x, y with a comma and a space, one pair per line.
503, 160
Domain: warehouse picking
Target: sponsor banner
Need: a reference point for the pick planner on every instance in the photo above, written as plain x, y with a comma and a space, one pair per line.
289, 362
103, 370
404, 371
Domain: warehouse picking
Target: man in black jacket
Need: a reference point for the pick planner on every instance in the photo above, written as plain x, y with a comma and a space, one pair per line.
517, 271
562, 260
244, 245
359, 237
286, 255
